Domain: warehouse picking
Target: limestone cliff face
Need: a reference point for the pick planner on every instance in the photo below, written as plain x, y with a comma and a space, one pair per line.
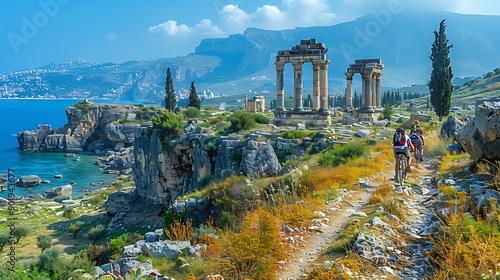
90, 127
162, 176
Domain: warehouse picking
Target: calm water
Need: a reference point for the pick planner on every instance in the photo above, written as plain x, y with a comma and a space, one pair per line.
19, 115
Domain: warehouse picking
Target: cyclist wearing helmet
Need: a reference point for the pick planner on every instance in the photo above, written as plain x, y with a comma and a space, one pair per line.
417, 137
401, 145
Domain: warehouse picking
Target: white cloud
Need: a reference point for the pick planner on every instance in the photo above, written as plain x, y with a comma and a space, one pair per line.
170, 28
291, 14
234, 19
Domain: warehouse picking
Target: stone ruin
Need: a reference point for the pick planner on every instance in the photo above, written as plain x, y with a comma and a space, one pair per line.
320, 115
315, 53
371, 95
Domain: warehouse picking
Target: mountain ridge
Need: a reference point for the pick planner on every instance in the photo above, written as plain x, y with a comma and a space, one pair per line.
244, 63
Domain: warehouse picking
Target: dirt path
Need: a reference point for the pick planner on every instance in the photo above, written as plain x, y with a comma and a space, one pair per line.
315, 244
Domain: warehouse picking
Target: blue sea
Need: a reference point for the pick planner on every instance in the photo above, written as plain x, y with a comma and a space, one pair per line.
25, 114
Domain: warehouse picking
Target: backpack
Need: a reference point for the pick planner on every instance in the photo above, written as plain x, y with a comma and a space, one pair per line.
399, 138
415, 132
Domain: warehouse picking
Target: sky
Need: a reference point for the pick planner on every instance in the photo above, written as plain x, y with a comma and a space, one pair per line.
39, 32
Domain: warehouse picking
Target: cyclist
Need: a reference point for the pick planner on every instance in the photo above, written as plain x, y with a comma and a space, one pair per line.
417, 137
401, 145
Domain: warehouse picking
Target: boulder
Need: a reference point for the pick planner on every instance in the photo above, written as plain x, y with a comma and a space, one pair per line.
29, 181
362, 133
262, 161
451, 127
62, 191
118, 201
480, 137
169, 249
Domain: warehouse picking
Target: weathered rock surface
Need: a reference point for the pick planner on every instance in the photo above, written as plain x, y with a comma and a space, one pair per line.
451, 127
261, 161
29, 181
118, 201
481, 136
65, 191
88, 123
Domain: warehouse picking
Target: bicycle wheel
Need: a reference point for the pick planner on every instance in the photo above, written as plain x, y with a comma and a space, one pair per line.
401, 168
416, 156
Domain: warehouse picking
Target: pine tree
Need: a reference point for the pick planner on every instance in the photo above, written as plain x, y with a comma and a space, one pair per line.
194, 100
440, 85
170, 101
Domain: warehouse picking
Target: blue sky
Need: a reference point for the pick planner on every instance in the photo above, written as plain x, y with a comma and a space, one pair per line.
39, 32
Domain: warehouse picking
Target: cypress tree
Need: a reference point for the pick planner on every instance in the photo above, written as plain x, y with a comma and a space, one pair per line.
194, 100
440, 86
170, 101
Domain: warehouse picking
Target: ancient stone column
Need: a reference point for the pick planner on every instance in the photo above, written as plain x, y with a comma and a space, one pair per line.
373, 92
297, 85
378, 88
280, 90
323, 81
366, 102
348, 91
316, 86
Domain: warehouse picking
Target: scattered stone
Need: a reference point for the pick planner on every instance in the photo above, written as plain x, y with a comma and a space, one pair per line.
29, 181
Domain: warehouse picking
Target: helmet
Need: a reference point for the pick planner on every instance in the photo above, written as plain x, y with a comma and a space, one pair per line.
416, 122
400, 129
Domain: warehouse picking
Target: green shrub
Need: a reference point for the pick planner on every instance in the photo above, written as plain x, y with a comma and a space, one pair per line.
259, 118
192, 112
241, 120
21, 231
116, 245
69, 213
169, 218
43, 242
341, 154
169, 126
84, 107
4, 239
75, 228
297, 134
95, 233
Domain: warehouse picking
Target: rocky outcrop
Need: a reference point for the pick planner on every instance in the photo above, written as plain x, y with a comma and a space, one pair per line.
90, 127
260, 161
481, 136
62, 191
451, 127
162, 175
29, 181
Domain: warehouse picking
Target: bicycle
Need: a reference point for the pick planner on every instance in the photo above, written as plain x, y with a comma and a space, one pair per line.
402, 168
416, 155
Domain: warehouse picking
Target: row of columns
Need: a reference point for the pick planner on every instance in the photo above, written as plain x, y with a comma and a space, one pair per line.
371, 95
320, 85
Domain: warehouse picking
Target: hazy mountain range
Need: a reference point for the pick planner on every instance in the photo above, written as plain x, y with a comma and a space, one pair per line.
244, 63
